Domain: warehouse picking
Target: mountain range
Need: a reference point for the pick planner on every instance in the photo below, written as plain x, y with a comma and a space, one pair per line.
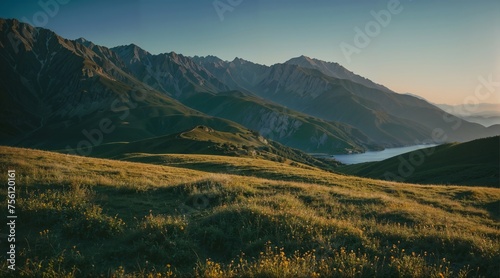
62, 94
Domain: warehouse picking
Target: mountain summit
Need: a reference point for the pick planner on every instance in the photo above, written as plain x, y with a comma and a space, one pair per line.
334, 70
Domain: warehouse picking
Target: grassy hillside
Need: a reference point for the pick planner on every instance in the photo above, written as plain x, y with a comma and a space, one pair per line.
475, 163
93, 217
205, 140
200, 139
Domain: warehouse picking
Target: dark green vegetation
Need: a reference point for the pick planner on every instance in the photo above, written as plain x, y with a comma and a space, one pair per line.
94, 217
475, 163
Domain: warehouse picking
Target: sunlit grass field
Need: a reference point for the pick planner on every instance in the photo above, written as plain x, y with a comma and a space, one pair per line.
183, 216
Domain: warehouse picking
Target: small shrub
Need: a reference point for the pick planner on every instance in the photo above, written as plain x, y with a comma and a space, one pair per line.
92, 223
158, 228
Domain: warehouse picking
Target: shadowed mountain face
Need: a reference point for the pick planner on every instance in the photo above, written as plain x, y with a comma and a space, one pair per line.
52, 84
56, 92
171, 73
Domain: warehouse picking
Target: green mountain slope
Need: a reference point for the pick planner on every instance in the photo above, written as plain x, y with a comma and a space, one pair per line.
472, 163
135, 93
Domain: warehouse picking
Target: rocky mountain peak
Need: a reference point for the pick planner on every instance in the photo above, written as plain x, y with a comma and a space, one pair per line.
131, 53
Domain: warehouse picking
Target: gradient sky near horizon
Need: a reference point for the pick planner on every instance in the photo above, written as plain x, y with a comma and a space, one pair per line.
433, 48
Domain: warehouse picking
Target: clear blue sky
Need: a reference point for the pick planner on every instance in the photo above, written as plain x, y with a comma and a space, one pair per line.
433, 48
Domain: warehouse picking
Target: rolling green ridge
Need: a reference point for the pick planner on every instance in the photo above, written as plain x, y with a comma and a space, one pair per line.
81, 216
475, 163
205, 140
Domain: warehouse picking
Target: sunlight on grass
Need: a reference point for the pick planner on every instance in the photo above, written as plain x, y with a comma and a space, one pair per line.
94, 217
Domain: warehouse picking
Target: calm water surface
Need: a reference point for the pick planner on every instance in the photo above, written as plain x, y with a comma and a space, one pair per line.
378, 155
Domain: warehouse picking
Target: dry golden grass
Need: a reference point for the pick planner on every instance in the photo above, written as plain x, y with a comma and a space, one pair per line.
289, 220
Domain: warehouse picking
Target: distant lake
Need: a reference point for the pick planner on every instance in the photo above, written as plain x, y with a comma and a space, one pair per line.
378, 155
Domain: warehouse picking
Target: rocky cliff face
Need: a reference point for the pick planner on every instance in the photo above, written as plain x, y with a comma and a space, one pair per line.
171, 73
238, 74
275, 125
335, 70
291, 78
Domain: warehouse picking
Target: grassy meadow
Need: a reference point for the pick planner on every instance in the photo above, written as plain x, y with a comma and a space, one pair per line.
216, 216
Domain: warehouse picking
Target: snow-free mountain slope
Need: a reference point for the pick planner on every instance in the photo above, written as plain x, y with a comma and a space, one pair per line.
172, 73
53, 83
334, 70
389, 118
